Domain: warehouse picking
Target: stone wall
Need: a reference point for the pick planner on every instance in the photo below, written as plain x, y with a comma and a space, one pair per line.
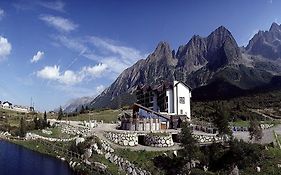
207, 138
125, 165
156, 140
123, 138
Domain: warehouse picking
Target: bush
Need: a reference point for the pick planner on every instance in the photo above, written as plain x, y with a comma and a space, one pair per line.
197, 171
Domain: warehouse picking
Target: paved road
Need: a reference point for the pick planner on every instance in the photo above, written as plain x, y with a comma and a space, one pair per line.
268, 136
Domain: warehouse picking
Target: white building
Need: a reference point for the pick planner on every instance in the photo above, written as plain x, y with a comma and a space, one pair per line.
7, 105
178, 99
172, 99
19, 108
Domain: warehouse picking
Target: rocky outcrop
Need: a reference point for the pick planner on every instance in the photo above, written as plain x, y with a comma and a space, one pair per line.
123, 138
158, 140
266, 43
4, 134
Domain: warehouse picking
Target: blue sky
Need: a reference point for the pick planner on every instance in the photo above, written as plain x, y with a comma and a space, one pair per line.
54, 51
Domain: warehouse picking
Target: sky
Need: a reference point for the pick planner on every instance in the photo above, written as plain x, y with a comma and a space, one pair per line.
55, 51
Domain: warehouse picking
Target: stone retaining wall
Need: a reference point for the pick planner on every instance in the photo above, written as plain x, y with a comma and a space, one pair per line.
123, 138
158, 140
207, 138
128, 167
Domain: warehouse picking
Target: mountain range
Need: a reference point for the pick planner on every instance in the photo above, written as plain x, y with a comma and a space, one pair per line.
213, 65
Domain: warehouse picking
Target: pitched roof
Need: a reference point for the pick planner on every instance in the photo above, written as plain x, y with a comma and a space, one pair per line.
151, 111
161, 87
186, 85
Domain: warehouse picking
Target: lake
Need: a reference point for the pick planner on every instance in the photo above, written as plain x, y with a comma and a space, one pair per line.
17, 160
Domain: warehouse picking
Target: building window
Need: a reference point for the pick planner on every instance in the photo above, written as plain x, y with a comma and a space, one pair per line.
181, 111
182, 100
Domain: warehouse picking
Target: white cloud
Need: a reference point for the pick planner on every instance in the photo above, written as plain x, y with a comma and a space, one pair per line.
56, 5
49, 72
127, 54
70, 77
5, 47
2, 13
116, 56
38, 56
70, 43
59, 23
95, 71
75, 91
100, 88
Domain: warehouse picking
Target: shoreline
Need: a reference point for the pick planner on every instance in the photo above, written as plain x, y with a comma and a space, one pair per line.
36, 150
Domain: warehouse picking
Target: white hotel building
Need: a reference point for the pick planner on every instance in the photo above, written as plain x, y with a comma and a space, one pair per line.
160, 107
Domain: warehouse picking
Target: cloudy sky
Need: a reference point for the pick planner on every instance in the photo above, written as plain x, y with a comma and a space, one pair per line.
54, 51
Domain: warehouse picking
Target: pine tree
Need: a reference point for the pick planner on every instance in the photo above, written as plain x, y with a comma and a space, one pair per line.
45, 119
22, 130
190, 147
255, 130
221, 119
60, 114
82, 111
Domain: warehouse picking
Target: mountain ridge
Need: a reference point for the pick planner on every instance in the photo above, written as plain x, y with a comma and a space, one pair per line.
199, 62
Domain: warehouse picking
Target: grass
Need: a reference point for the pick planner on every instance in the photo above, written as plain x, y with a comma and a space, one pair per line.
241, 123
13, 118
270, 161
35, 146
113, 169
56, 133
143, 159
108, 116
274, 122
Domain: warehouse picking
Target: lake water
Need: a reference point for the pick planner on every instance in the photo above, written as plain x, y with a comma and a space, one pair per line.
16, 160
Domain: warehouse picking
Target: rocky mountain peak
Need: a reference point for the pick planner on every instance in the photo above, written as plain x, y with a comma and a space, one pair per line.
162, 55
162, 47
275, 27
222, 30
219, 36
266, 43
198, 62
222, 49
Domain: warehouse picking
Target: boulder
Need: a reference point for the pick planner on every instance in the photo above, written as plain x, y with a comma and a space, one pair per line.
79, 140
131, 143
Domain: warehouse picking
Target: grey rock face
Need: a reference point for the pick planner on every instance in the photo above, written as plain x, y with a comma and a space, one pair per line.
266, 43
